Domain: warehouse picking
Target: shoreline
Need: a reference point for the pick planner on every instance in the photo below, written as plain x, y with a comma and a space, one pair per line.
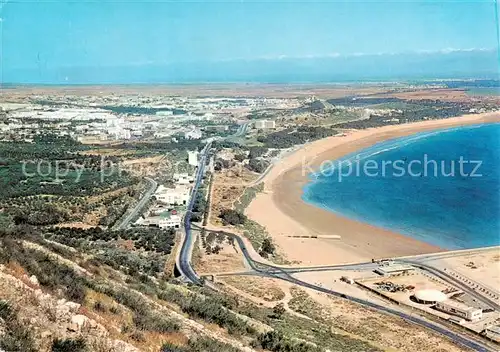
282, 211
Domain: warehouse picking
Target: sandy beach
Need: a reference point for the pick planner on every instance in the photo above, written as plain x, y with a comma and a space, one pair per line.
281, 210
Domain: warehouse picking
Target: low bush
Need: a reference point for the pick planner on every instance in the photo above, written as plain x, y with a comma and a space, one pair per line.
69, 345
16, 336
233, 217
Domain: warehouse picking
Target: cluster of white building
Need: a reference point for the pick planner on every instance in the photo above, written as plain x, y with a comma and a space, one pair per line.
164, 215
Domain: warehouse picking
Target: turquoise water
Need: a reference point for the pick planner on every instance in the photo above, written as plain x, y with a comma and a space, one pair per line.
441, 203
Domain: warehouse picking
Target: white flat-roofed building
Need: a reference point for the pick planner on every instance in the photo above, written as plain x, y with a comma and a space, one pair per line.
460, 309
193, 158
493, 332
265, 124
429, 296
119, 133
386, 269
173, 196
170, 222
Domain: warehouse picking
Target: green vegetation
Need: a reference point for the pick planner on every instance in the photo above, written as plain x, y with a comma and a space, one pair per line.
212, 243
246, 198
256, 152
161, 147
255, 233
258, 165
16, 335
58, 277
232, 217
199, 344
50, 182
277, 342
65, 176
294, 136
149, 239
210, 309
291, 333
145, 253
200, 207
69, 345
405, 110
267, 247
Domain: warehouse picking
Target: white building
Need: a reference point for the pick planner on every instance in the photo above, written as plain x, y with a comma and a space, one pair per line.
493, 332
183, 178
137, 133
173, 196
193, 158
114, 121
265, 124
173, 221
459, 309
119, 133
169, 221
429, 296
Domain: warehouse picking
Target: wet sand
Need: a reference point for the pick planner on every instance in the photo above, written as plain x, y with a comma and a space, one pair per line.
282, 211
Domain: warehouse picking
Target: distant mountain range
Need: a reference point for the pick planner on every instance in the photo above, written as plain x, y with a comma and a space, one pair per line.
452, 64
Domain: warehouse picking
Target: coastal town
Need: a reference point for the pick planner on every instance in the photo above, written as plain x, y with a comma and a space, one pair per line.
138, 216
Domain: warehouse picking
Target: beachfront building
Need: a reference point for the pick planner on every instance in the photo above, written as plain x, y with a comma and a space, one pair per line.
428, 296
459, 309
173, 196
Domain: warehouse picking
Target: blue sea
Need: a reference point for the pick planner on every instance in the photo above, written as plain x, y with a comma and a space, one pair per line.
440, 187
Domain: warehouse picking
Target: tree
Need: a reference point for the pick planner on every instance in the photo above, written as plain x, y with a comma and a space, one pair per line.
258, 165
256, 152
69, 345
240, 157
267, 247
233, 217
279, 310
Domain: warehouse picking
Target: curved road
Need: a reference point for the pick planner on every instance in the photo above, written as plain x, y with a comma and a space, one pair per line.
283, 274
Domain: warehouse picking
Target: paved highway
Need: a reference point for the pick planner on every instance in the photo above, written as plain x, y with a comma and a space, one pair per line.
184, 257
147, 196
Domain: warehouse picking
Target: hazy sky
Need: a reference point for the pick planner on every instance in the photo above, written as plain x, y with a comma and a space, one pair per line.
87, 33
